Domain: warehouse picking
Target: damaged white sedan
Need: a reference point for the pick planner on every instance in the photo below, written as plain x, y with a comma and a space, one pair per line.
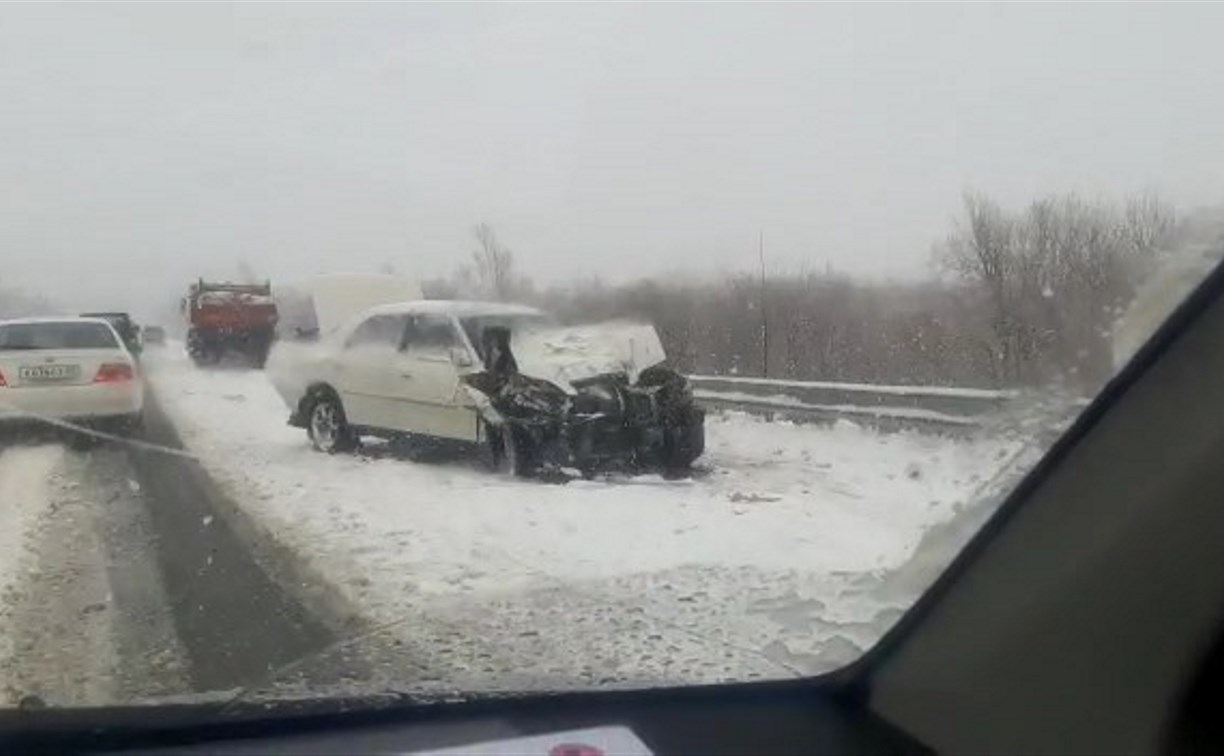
533, 395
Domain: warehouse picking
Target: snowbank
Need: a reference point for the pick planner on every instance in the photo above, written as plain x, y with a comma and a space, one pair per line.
746, 564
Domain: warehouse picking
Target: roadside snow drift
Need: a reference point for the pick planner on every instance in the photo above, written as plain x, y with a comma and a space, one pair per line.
761, 565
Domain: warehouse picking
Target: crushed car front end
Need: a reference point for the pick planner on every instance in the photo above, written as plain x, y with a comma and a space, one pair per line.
650, 424
578, 398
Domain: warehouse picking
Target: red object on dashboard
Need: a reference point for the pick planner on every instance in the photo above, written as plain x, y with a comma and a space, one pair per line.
112, 372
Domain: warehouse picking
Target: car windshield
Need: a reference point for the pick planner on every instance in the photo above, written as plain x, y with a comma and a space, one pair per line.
55, 335
822, 283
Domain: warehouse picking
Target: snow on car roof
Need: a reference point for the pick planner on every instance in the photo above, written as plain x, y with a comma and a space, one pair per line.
53, 319
457, 308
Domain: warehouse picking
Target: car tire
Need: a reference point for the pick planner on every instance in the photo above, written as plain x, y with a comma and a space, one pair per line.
327, 426
511, 451
684, 443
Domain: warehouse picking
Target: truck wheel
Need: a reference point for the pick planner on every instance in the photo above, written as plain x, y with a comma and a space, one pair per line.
202, 354
327, 426
258, 349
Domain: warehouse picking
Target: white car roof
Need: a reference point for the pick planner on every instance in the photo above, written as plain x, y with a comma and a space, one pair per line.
457, 308
53, 319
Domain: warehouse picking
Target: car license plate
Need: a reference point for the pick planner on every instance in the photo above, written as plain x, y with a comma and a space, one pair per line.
47, 373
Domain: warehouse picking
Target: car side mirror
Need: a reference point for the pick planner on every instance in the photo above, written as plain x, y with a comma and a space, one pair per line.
460, 358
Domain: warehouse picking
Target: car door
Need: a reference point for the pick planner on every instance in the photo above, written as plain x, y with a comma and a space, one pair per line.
366, 371
434, 402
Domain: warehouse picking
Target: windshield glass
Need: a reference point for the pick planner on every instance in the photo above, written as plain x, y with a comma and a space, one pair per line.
822, 283
68, 335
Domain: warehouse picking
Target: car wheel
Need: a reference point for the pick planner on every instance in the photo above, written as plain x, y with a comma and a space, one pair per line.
684, 443
327, 426
511, 451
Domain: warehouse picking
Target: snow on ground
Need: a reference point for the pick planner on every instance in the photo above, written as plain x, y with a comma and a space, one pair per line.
747, 570
25, 496
25, 475
83, 620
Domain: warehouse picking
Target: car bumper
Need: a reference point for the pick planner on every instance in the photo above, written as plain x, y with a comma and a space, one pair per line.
71, 403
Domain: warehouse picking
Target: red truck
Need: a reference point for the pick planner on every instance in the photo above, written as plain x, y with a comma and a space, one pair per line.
229, 317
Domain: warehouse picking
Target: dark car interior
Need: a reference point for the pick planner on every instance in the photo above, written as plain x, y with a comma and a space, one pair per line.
1086, 617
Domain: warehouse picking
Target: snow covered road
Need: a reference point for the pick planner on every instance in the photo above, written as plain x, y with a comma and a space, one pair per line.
83, 616
748, 570
25, 475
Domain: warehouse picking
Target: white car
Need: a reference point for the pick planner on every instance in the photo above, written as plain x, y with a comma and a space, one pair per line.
68, 371
498, 375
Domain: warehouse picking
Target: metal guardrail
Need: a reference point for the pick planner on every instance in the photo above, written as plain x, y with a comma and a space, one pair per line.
929, 408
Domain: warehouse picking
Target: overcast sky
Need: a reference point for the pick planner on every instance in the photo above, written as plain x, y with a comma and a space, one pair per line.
142, 144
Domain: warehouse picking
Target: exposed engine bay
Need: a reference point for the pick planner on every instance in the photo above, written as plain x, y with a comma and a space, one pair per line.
623, 419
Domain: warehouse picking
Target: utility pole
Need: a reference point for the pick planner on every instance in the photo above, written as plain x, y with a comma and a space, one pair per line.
764, 309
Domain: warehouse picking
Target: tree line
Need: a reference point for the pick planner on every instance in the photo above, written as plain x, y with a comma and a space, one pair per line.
1015, 298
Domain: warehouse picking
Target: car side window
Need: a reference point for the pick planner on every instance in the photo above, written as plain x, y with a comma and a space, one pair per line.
431, 336
380, 330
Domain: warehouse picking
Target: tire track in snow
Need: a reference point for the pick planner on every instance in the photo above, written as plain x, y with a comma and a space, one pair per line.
235, 621
93, 628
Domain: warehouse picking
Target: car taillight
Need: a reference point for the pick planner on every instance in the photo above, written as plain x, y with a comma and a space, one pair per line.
114, 371
2, 381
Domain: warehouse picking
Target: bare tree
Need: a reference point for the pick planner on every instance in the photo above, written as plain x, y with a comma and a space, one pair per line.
982, 249
1149, 223
439, 288
764, 309
492, 265
823, 327
1032, 299
1055, 276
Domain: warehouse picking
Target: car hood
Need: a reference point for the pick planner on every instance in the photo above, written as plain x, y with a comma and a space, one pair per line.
563, 356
